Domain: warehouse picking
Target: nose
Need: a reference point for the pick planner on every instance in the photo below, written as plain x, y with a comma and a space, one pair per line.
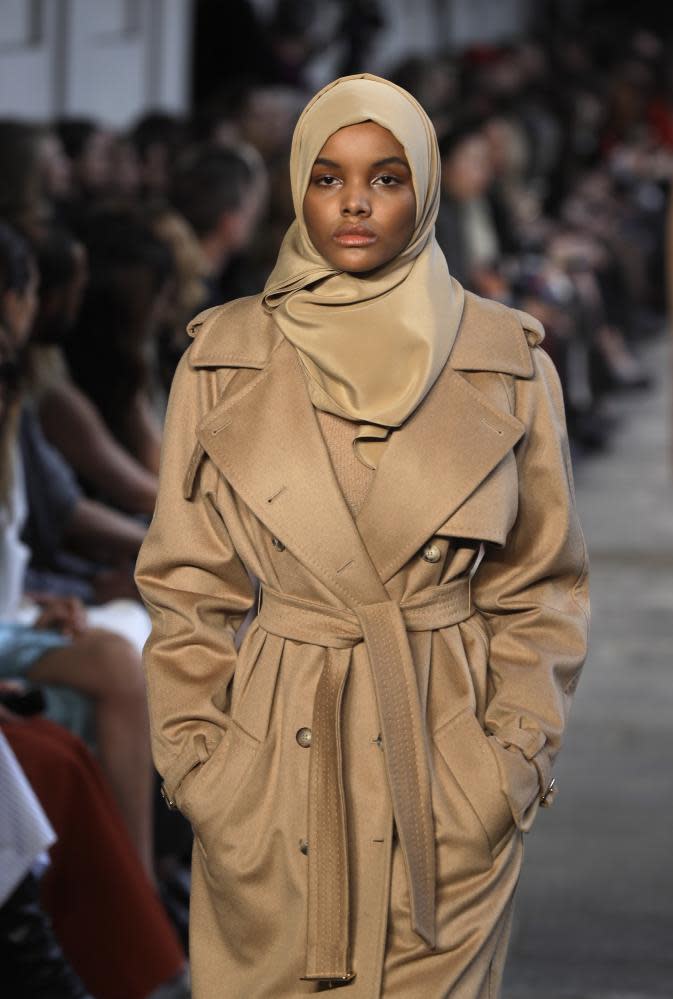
355, 201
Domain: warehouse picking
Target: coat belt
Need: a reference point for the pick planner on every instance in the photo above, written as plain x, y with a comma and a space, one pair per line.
383, 627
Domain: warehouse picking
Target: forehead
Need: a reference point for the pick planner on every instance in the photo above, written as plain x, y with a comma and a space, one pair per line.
365, 139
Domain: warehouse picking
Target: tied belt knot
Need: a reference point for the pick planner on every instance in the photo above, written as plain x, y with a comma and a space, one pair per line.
383, 628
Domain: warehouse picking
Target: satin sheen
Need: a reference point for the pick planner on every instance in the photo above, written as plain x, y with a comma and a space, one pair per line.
371, 345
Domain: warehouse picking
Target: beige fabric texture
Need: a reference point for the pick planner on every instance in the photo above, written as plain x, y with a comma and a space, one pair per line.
483, 459
354, 476
371, 344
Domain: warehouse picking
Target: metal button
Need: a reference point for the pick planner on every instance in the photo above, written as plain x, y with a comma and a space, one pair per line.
304, 737
432, 553
278, 544
547, 798
303, 846
170, 804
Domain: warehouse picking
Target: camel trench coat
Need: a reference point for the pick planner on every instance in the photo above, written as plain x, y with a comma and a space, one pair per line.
360, 772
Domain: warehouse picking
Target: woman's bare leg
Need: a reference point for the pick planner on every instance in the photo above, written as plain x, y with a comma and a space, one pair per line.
108, 669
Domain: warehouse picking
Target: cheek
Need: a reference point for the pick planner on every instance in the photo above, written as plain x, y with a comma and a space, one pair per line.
313, 216
405, 219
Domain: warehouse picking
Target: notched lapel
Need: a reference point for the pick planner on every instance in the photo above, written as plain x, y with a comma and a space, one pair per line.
431, 467
266, 441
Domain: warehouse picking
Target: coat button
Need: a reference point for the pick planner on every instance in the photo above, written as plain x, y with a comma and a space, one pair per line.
304, 737
303, 847
432, 553
547, 798
170, 804
278, 544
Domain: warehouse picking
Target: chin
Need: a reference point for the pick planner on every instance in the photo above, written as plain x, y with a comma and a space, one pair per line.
353, 264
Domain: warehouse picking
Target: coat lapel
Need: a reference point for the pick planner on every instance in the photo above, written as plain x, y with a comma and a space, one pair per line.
431, 467
266, 440
267, 443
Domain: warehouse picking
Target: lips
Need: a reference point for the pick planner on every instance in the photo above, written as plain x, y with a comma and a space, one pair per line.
358, 235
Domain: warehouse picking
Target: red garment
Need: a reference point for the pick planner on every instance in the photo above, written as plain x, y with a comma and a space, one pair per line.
660, 117
106, 914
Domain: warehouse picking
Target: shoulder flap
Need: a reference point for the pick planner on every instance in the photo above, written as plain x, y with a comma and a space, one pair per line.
493, 337
238, 334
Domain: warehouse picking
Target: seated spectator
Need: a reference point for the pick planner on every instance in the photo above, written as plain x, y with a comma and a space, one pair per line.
59, 516
158, 139
189, 289
105, 912
220, 192
88, 147
32, 961
466, 228
70, 421
111, 349
23, 200
94, 675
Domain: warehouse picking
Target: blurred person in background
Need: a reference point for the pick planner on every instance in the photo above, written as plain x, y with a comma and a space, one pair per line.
466, 225
189, 290
88, 148
70, 421
32, 960
433, 82
221, 193
266, 118
111, 349
158, 139
104, 911
94, 677
26, 160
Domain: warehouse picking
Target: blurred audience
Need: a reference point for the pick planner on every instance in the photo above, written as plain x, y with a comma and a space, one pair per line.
92, 867
557, 156
221, 193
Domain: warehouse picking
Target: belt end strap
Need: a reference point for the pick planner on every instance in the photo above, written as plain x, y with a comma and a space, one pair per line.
404, 749
328, 944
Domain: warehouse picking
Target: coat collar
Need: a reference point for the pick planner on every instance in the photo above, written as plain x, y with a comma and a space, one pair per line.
238, 334
266, 441
491, 337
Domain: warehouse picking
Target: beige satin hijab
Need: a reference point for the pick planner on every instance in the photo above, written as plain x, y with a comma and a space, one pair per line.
372, 345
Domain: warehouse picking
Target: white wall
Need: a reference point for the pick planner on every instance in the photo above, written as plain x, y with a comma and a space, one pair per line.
111, 59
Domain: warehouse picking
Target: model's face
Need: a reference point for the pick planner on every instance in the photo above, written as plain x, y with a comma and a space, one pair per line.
360, 205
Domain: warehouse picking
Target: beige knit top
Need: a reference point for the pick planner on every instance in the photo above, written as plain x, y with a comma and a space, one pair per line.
353, 476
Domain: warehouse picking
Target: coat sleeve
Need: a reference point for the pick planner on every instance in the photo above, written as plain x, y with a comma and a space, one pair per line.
196, 591
533, 594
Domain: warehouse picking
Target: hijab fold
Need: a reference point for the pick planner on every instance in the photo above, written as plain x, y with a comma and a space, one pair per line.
372, 345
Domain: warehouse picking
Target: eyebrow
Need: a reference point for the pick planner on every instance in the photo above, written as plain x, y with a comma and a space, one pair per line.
322, 161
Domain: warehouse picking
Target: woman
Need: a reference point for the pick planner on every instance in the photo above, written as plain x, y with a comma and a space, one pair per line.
93, 677
111, 348
105, 912
359, 774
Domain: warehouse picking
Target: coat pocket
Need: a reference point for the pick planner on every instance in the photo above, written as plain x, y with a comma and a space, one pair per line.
209, 794
466, 751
